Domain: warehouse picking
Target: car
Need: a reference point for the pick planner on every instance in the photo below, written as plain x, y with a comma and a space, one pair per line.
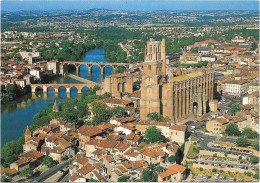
60, 172
202, 139
230, 161
204, 176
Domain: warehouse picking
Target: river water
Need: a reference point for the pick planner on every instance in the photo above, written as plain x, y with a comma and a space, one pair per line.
18, 114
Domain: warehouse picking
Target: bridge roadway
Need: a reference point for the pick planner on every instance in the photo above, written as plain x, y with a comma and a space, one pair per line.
67, 86
81, 79
101, 65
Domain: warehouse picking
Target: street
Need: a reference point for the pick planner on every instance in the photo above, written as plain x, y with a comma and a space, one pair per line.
52, 171
205, 144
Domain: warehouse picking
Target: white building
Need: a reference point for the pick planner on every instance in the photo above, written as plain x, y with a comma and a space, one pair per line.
236, 87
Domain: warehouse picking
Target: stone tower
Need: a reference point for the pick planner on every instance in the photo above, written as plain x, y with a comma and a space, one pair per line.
55, 107
177, 94
153, 77
27, 134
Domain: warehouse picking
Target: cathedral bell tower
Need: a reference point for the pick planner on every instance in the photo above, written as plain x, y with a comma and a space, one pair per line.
154, 70
27, 134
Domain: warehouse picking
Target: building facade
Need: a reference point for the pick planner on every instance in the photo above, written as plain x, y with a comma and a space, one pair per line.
174, 96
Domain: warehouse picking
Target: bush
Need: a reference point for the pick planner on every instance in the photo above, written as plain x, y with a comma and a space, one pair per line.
172, 159
232, 129
242, 142
254, 160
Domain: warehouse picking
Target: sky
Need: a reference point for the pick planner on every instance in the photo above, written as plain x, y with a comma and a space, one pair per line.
143, 5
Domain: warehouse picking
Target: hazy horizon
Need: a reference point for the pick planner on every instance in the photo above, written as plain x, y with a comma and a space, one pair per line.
135, 5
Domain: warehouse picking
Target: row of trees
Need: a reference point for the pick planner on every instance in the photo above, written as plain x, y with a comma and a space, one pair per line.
67, 51
12, 92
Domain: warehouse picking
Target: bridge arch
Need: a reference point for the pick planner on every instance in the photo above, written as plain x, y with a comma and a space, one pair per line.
107, 70
84, 89
120, 68
73, 92
50, 91
95, 67
62, 92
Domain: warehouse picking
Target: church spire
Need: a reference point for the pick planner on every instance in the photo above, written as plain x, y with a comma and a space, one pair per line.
55, 107
27, 134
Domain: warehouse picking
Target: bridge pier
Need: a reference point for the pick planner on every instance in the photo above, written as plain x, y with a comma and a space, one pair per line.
68, 90
45, 95
44, 89
56, 90
33, 89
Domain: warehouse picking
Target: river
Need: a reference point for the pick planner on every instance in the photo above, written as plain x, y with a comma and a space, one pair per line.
18, 114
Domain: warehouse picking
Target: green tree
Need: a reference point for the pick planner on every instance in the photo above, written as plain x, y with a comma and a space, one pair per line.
152, 134
119, 69
242, 142
154, 116
122, 179
147, 175
6, 177
194, 50
48, 161
11, 151
92, 180
254, 46
27, 173
232, 129
234, 109
214, 170
172, 159
254, 160
118, 112
249, 133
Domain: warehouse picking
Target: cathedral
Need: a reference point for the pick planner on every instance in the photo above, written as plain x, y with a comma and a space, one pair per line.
170, 91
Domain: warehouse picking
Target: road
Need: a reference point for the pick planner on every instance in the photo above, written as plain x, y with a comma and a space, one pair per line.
205, 141
52, 171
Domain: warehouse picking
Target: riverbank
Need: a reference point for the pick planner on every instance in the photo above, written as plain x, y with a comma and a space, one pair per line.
16, 115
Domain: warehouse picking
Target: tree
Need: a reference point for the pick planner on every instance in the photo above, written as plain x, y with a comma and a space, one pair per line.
11, 151
6, 177
234, 108
242, 142
92, 180
172, 159
27, 173
214, 170
254, 46
254, 160
119, 112
122, 179
48, 161
232, 129
147, 175
152, 134
249, 133
154, 116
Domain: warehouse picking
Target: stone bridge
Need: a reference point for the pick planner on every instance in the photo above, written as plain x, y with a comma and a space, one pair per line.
68, 87
102, 66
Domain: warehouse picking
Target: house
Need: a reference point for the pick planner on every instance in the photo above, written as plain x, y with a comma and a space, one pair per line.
177, 133
217, 126
86, 171
119, 121
175, 173
20, 164
33, 156
12, 172
236, 87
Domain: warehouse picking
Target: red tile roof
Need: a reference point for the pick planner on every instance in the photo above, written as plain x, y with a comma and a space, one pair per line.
178, 127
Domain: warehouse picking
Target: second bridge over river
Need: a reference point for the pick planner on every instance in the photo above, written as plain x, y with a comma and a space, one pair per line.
101, 65
68, 87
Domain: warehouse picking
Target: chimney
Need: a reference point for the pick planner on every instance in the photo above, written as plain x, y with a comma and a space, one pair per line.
163, 56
